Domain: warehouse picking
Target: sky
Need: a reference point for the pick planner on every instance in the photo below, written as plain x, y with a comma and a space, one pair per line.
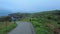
30, 5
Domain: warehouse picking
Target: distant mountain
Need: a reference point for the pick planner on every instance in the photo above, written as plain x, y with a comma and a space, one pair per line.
4, 12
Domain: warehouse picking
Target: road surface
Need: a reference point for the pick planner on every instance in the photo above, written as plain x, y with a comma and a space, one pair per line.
23, 28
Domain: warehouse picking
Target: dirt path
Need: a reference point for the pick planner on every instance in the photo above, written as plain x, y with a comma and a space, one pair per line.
23, 28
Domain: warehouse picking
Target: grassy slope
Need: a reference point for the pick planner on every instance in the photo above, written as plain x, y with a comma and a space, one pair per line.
5, 27
45, 22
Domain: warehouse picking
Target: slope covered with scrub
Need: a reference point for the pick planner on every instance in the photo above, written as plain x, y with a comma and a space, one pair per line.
46, 22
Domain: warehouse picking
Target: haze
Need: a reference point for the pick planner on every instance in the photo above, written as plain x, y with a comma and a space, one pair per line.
29, 5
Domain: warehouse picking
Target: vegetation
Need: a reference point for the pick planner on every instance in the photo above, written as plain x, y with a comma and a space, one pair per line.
46, 22
6, 25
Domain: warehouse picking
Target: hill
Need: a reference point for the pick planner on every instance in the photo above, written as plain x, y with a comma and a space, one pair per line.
46, 22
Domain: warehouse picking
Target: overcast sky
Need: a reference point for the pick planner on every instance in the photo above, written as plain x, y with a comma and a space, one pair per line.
29, 5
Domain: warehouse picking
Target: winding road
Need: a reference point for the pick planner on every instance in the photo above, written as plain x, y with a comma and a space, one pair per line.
23, 28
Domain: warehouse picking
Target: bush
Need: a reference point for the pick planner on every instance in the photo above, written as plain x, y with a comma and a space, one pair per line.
6, 27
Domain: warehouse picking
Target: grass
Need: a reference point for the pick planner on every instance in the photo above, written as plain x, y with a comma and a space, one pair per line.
45, 23
5, 27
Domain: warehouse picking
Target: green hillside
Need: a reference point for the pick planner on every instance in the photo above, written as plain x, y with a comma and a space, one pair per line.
6, 25
46, 22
